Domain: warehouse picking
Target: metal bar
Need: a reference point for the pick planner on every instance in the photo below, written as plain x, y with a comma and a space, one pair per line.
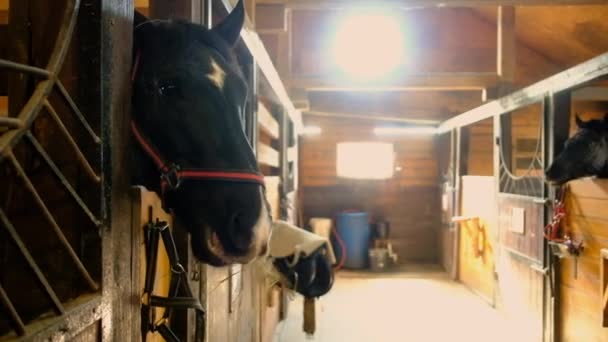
14, 315
410, 4
62, 179
64, 241
28, 69
79, 155
407, 81
77, 111
10, 122
58, 307
570, 78
374, 116
32, 108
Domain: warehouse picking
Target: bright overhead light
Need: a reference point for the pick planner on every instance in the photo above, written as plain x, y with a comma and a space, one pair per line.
310, 130
368, 43
416, 130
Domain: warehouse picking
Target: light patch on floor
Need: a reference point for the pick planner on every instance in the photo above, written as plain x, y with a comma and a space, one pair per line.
420, 304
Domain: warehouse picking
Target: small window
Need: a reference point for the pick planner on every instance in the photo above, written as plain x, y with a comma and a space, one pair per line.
365, 160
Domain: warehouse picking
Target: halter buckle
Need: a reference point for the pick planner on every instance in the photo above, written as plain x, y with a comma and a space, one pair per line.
171, 176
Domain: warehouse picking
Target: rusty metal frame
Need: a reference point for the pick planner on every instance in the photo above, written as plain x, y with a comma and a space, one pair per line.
19, 129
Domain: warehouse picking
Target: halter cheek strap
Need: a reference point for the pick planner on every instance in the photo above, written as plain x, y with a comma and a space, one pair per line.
172, 174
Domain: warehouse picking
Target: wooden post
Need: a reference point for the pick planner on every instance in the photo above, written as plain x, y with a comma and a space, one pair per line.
506, 42
309, 316
556, 130
121, 299
190, 10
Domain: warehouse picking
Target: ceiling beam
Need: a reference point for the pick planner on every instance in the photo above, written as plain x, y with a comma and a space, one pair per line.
429, 81
329, 4
395, 118
590, 94
567, 79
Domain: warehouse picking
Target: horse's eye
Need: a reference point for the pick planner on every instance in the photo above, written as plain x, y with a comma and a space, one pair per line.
168, 89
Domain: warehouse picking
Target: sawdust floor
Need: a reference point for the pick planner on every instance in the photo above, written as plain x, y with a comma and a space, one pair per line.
417, 303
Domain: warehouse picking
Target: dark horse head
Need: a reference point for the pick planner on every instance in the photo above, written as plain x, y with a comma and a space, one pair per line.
585, 153
188, 98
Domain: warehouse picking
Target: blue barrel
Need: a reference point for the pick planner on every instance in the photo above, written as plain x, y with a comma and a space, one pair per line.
354, 230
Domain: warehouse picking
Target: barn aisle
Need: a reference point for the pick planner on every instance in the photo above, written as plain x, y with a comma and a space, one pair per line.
417, 304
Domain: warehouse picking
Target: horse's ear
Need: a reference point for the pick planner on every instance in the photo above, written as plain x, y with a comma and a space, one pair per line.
230, 28
138, 19
580, 123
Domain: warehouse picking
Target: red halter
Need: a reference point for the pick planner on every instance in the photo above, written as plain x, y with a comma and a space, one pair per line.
171, 174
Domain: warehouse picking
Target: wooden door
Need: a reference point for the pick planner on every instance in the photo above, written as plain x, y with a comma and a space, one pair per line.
519, 264
478, 235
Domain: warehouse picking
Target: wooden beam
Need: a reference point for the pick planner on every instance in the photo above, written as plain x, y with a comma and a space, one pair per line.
267, 155
267, 122
570, 78
250, 9
4, 8
177, 9
292, 153
271, 76
271, 18
429, 81
506, 43
335, 4
142, 3
590, 94
396, 118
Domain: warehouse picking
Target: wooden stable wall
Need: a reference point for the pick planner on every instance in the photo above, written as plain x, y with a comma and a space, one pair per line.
408, 200
582, 309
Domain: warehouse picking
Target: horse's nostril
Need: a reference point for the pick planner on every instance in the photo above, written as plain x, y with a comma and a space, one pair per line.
239, 234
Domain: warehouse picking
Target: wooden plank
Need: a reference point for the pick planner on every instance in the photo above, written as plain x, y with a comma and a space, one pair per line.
3, 105
387, 117
119, 292
273, 195
256, 47
292, 154
271, 18
589, 188
506, 43
178, 9
142, 3
267, 122
335, 4
4, 10
579, 74
590, 94
428, 81
268, 155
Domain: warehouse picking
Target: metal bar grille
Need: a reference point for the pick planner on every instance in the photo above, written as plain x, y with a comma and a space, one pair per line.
528, 184
19, 128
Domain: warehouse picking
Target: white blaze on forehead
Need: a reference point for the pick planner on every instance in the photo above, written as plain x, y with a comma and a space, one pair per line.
216, 75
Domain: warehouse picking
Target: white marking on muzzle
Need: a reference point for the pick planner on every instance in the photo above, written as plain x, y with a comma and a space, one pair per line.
217, 75
261, 233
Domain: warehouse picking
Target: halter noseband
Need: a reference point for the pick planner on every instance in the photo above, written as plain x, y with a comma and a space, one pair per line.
171, 174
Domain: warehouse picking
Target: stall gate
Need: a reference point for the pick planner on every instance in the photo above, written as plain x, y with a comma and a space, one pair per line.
70, 225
